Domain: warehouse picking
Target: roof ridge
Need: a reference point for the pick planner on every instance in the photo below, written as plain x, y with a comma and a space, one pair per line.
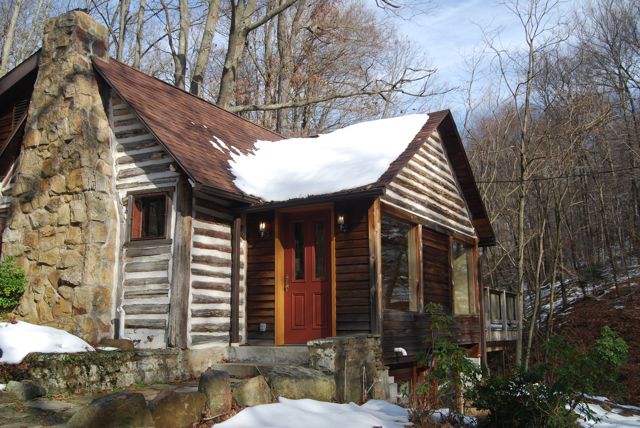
192, 95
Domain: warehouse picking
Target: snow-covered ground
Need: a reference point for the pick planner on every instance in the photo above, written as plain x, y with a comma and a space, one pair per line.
347, 158
19, 339
307, 413
610, 418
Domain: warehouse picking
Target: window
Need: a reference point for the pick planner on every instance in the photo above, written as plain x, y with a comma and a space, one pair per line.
463, 294
298, 248
400, 265
149, 217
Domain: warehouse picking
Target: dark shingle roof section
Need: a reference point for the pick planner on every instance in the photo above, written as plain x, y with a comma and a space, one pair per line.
185, 125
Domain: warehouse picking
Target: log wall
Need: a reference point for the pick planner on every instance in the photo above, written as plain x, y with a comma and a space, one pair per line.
142, 164
427, 187
211, 264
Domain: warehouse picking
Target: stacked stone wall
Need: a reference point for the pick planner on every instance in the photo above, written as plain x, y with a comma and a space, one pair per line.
62, 222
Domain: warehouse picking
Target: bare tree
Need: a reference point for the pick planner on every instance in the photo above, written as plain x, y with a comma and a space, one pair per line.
9, 37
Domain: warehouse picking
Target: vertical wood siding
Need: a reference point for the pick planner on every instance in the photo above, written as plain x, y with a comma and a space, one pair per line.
427, 187
353, 300
142, 164
211, 263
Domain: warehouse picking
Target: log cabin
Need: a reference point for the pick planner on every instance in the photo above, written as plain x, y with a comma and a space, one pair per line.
140, 211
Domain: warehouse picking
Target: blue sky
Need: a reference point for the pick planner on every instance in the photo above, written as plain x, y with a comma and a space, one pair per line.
452, 30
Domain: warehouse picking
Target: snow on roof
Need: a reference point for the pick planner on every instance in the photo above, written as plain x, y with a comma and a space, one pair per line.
19, 339
344, 159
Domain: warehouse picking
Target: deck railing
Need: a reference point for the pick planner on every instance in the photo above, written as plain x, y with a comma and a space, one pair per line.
501, 315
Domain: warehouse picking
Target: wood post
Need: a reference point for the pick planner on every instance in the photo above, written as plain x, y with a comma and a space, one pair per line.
236, 230
181, 277
375, 267
483, 314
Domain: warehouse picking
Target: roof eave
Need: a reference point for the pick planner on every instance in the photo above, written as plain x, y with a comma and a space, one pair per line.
316, 199
19, 72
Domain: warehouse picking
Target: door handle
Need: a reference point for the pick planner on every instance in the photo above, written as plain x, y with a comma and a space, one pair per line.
287, 283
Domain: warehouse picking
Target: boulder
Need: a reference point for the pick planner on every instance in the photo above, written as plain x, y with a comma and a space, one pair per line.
301, 382
252, 392
25, 390
177, 408
120, 409
215, 385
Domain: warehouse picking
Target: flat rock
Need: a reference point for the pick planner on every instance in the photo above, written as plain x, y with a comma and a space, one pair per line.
25, 390
252, 392
122, 344
215, 385
120, 409
301, 382
178, 408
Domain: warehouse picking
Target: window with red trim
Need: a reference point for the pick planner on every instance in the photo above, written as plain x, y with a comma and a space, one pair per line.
149, 217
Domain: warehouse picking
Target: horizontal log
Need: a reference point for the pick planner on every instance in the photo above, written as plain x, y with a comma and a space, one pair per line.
207, 313
151, 250
139, 309
200, 339
144, 323
208, 285
211, 274
163, 281
210, 328
202, 298
143, 266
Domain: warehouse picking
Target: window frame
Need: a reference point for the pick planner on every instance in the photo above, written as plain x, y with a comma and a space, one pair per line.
471, 276
414, 252
132, 197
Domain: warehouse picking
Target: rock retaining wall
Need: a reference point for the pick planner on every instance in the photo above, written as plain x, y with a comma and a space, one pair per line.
106, 370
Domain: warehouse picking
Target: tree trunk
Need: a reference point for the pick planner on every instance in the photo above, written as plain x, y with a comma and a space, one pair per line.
124, 15
204, 50
137, 56
8, 39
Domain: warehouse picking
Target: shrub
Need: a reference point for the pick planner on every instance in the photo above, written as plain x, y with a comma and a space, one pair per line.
12, 283
449, 371
547, 394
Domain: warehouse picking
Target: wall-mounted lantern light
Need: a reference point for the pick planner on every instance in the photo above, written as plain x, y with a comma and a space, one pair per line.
263, 228
341, 221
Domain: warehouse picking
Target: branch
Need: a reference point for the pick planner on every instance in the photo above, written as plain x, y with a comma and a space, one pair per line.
270, 14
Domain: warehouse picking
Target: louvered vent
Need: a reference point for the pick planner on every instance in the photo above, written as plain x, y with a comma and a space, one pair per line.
19, 110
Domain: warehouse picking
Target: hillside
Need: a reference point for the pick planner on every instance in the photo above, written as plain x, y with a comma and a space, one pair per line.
582, 321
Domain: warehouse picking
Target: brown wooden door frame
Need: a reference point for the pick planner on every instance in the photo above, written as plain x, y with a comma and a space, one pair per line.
279, 266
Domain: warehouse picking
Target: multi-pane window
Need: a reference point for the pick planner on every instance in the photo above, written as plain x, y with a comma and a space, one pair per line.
400, 265
149, 217
463, 293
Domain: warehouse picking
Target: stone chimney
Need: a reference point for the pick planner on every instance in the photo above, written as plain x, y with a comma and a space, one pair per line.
62, 222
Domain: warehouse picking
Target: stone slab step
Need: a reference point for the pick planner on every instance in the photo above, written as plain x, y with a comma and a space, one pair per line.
267, 355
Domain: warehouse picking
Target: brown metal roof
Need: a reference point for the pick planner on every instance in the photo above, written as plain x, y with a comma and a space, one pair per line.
186, 125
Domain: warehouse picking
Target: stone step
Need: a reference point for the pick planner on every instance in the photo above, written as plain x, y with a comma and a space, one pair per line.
238, 370
268, 355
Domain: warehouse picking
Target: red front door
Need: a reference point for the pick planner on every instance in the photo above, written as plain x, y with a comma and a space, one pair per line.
307, 276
